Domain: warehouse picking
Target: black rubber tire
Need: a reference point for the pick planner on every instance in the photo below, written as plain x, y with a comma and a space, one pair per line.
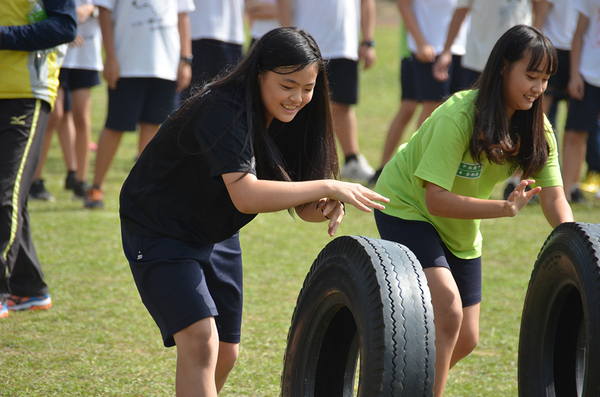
559, 344
362, 298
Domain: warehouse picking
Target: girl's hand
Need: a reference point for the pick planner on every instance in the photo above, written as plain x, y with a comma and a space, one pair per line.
425, 53
519, 197
357, 195
576, 87
334, 211
442, 66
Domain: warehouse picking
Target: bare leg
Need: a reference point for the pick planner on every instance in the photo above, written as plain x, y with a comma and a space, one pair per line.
574, 147
428, 108
344, 119
403, 117
108, 143
147, 132
202, 367
83, 130
66, 135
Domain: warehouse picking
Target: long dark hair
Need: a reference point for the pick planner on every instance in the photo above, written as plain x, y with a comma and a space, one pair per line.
521, 141
303, 149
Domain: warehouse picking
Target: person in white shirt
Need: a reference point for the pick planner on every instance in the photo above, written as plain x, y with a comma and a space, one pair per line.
336, 26
148, 50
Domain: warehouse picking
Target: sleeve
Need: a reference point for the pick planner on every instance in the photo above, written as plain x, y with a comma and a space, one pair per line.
464, 4
584, 7
185, 6
443, 151
59, 27
222, 132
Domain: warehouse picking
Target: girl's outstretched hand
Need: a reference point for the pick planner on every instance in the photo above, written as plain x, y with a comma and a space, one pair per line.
519, 197
359, 196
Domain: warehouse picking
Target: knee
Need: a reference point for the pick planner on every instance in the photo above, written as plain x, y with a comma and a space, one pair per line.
228, 354
467, 342
448, 324
198, 343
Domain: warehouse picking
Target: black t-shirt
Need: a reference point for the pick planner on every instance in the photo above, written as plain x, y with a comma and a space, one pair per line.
176, 190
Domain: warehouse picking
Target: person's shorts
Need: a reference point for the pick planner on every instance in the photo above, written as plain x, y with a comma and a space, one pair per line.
408, 82
428, 88
557, 84
211, 57
456, 83
342, 75
181, 283
139, 100
75, 79
425, 242
583, 115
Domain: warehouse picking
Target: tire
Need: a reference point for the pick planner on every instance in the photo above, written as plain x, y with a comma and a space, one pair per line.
559, 343
365, 306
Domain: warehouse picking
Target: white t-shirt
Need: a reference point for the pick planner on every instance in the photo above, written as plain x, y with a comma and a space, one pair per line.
560, 23
146, 36
221, 20
590, 53
334, 24
262, 26
490, 19
88, 56
433, 18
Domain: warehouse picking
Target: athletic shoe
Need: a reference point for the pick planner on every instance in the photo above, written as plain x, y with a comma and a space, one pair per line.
375, 177
43, 302
94, 197
510, 187
80, 190
591, 184
70, 180
39, 192
3, 310
577, 196
358, 169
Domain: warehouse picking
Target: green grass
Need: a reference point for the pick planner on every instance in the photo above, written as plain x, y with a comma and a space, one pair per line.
98, 339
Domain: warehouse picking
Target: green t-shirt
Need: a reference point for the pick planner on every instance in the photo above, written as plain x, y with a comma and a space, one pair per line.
439, 153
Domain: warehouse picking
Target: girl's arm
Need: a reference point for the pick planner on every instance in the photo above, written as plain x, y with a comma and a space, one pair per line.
576, 84
555, 206
251, 195
425, 51
442, 65
111, 64
284, 12
444, 203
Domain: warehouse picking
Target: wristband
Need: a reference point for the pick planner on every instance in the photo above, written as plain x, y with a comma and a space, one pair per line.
187, 59
368, 43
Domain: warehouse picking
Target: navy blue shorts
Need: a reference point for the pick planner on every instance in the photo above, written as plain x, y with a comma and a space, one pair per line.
428, 88
139, 100
211, 57
557, 84
425, 242
342, 75
408, 83
583, 115
76, 79
181, 283
468, 77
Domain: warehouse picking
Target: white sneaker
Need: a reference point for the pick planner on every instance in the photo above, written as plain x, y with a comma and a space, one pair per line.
358, 170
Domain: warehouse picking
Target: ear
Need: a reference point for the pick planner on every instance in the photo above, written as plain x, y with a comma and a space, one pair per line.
504, 66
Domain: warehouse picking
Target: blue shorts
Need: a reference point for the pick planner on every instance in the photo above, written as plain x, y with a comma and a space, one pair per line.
583, 115
181, 283
408, 82
342, 75
139, 100
428, 88
425, 242
468, 77
76, 79
557, 84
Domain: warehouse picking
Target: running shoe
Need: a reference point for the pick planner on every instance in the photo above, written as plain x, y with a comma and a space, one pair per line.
39, 192
3, 310
94, 197
70, 180
80, 189
358, 169
43, 302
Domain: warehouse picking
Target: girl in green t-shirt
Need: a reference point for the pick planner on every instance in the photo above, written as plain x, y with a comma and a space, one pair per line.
440, 182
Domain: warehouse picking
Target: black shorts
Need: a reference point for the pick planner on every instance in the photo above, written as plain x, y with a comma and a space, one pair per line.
211, 57
425, 242
408, 84
75, 79
557, 84
468, 77
342, 75
583, 115
428, 88
139, 100
181, 283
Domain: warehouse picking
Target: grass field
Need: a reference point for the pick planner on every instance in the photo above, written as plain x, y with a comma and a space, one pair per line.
98, 339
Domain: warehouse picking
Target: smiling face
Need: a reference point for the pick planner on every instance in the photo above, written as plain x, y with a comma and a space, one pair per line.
522, 87
283, 95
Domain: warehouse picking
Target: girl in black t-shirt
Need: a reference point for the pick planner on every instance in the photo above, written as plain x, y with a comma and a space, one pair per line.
256, 139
